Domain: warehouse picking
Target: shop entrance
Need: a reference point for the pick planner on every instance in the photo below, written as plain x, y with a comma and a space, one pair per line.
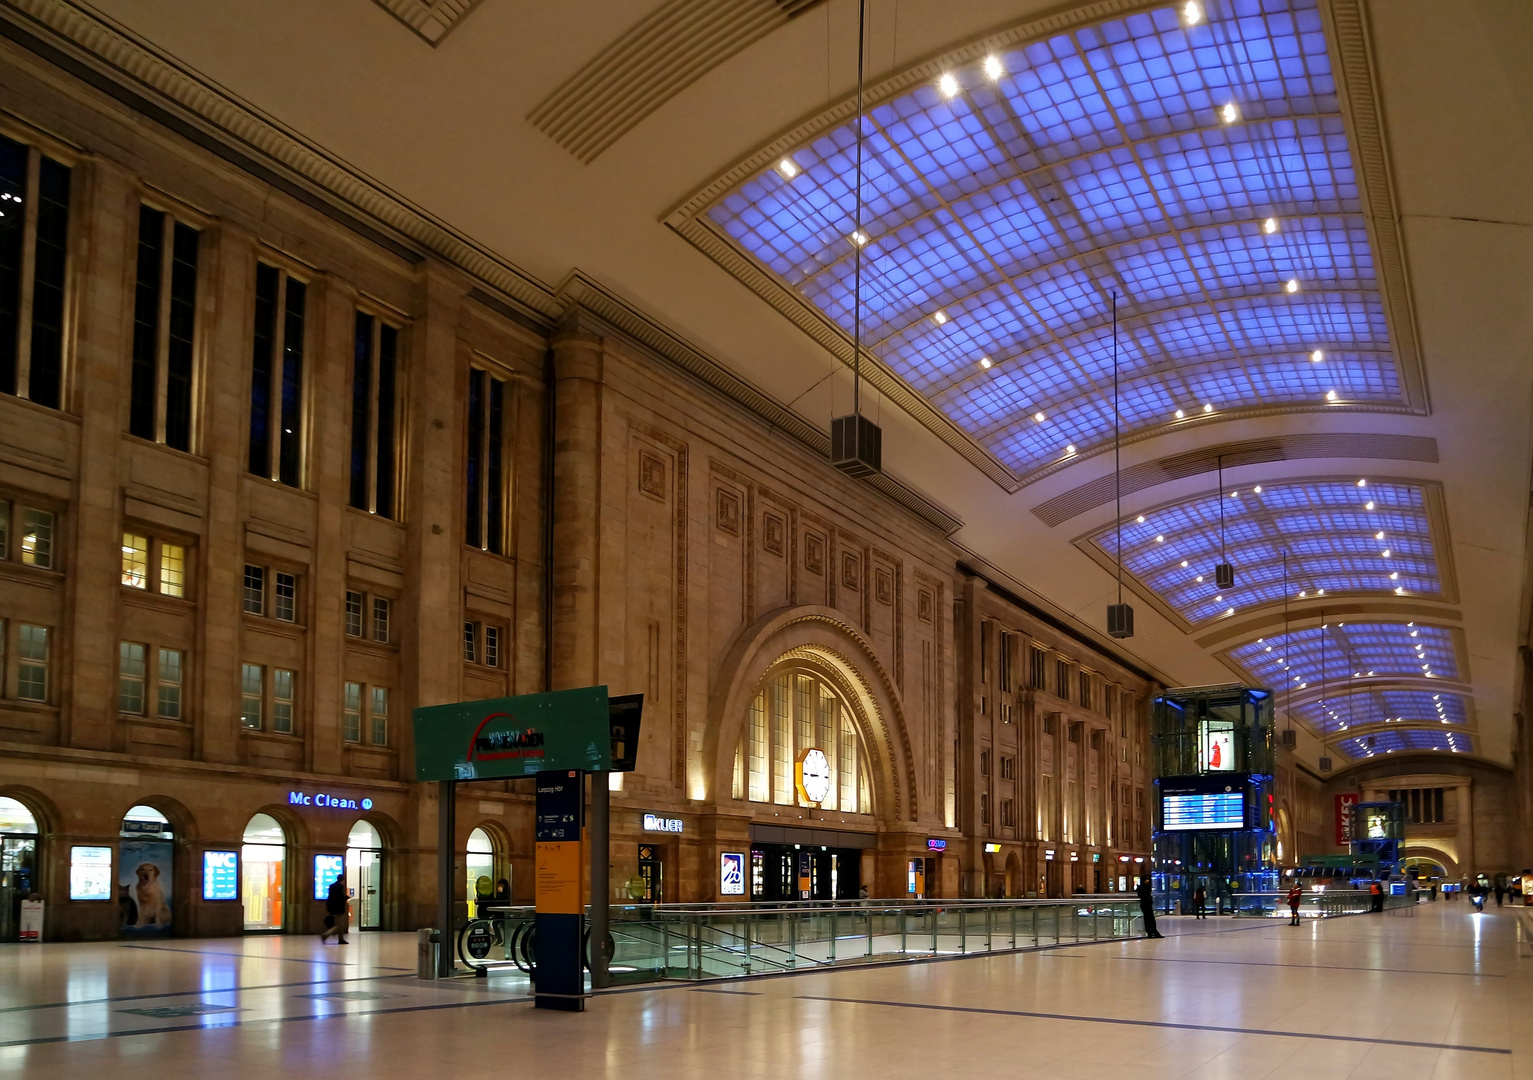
652, 871
480, 864
364, 876
145, 874
804, 872
18, 864
262, 861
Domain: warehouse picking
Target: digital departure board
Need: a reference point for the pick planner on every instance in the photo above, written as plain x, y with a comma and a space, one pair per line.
1214, 810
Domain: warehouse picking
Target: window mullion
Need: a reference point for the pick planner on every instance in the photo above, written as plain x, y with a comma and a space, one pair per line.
278, 365
374, 352
28, 275
162, 327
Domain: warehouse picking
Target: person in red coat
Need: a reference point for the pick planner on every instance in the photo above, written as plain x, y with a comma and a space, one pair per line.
1295, 898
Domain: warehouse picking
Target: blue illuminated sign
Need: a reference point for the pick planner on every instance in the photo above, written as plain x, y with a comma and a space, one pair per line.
934, 844
329, 802
220, 875
327, 868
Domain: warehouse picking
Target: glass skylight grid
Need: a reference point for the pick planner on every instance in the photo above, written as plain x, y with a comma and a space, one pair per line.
1331, 537
1353, 652
1349, 711
1101, 162
1394, 742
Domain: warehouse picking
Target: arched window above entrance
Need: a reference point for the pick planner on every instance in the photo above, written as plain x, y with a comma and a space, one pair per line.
146, 821
363, 835
479, 843
16, 818
264, 829
796, 710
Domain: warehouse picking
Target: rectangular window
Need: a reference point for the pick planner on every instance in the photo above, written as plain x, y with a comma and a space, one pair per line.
285, 598
984, 808
1008, 814
252, 684
378, 713
34, 235
373, 415
282, 701
383, 611
1062, 680
164, 325
1085, 698
1003, 656
37, 538
492, 646
172, 569
32, 663
1006, 768
130, 678
168, 705
135, 561
759, 786
276, 379
255, 590
471, 642
984, 762
485, 487
1037, 664
354, 607
351, 729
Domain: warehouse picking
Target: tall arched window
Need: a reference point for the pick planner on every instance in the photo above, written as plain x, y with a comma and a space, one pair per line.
480, 864
795, 710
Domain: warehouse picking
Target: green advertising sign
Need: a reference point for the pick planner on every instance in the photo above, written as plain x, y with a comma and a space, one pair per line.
514, 736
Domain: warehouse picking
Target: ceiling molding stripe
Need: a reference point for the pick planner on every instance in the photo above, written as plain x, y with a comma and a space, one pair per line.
1101, 491
648, 64
581, 295
431, 20
115, 61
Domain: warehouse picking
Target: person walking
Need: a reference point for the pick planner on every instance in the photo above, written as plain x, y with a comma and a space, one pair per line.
1295, 898
1147, 907
1200, 901
336, 914
1500, 889
1375, 896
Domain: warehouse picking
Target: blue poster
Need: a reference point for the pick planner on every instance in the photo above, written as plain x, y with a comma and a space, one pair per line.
327, 868
144, 887
220, 875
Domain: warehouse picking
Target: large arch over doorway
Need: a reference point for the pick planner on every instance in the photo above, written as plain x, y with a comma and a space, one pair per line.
821, 639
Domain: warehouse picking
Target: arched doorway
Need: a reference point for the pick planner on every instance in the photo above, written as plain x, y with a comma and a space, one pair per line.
364, 875
18, 864
262, 862
146, 873
480, 864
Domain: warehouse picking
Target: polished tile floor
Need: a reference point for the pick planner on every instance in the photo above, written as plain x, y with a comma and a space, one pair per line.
1434, 993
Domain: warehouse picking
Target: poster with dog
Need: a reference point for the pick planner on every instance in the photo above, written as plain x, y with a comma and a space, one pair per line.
143, 887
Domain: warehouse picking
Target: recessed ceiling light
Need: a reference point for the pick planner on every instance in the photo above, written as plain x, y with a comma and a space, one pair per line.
1234, 494
1400, 591
1192, 12
1140, 519
1316, 356
1208, 408
1395, 576
1319, 592
1330, 395
1200, 577
1184, 563
1291, 285
859, 238
1270, 226
1302, 594
789, 168
1039, 417
948, 84
1180, 414
1379, 535
1230, 113
1363, 483
939, 317
984, 361
1385, 553
1160, 539
1415, 632
1070, 448
1368, 505
993, 67
1257, 489
1220, 599
1231, 611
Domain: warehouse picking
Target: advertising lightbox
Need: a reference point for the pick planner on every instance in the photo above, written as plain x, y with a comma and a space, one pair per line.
90, 873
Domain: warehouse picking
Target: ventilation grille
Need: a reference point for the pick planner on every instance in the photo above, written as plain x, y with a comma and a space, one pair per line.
431, 19
1063, 507
649, 63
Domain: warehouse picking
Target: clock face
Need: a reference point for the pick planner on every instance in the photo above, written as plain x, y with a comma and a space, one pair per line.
814, 776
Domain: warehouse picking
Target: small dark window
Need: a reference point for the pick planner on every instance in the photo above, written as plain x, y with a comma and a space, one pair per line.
354, 604
276, 378
485, 480
286, 596
372, 415
255, 590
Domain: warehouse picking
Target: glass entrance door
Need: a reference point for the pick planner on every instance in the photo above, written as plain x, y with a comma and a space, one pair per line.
364, 876
18, 877
262, 860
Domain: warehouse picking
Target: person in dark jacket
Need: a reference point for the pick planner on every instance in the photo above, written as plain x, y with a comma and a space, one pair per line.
1200, 902
1295, 898
337, 916
1147, 907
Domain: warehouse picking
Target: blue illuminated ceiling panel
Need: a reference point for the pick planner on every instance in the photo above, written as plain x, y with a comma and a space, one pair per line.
1341, 538
1201, 173
1349, 711
1348, 654
1397, 741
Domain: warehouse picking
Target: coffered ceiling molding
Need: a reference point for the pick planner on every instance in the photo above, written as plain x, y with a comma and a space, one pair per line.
649, 63
431, 19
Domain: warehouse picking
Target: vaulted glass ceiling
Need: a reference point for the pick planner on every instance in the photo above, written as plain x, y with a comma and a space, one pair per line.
1396, 741
1199, 170
1353, 652
1341, 536
1350, 711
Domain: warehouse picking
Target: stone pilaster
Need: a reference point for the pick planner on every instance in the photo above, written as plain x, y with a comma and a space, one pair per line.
576, 508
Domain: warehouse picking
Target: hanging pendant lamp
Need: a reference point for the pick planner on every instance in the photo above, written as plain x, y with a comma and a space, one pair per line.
1224, 573
1120, 617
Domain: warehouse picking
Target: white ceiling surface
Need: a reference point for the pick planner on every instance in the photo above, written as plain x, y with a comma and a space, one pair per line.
445, 129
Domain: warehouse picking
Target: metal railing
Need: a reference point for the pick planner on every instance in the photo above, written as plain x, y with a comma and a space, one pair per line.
711, 941
1315, 905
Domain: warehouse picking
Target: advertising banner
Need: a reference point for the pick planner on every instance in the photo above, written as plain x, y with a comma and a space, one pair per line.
144, 876
90, 873
1218, 748
514, 736
1344, 803
732, 873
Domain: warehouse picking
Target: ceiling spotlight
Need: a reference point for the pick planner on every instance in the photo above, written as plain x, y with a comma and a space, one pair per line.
1200, 577
1219, 599
1395, 576
1400, 591
1160, 539
1230, 113
1270, 226
1330, 395
1364, 483
1069, 448
1140, 519
1302, 594
1038, 416
1319, 592
788, 168
1208, 408
984, 361
1192, 12
993, 67
1257, 489
1291, 285
1179, 414
1415, 632
1231, 611
1379, 535
1385, 553
1317, 356
939, 317
948, 84
1184, 564
858, 237
1368, 505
